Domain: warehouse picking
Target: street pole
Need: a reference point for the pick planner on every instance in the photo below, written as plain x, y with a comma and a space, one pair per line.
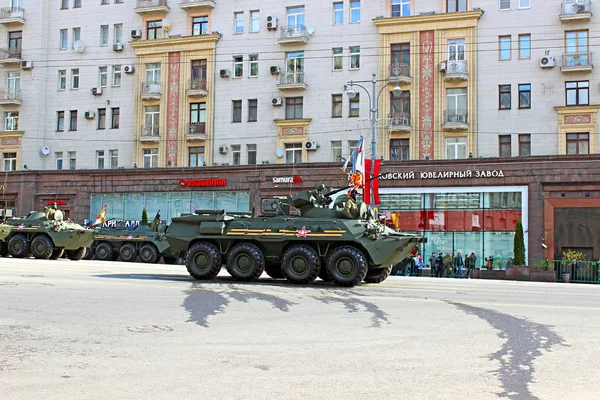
373, 134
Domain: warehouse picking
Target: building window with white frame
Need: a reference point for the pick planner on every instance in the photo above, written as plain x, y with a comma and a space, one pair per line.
64, 4
236, 154
254, 21
504, 5
64, 38
101, 118
253, 65
59, 160
72, 159
11, 120
338, 59
354, 11
252, 110
338, 13
577, 93
76, 3
524, 4
153, 73
100, 159
456, 5
456, 148
102, 76
196, 156
456, 105
118, 33
336, 105
293, 153
60, 121
115, 118
152, 121
74, 78
251, 153
295, 16
10, 161
355, 57
62, 79
114, 159
336, 150
76, 35
354, 106
103, 35
238, 18
238, 66
116, 81
150, 158
401, 8
237, 111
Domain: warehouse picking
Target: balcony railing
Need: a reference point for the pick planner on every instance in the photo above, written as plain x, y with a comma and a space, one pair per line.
293, 31
151, 89
197, 3
399, 120
12, 12
455, 117
399, 70
12, 52
573, 7
196, 84
149, 131
456, 67
196, 129
151, 3
576, 60
289, 78
10, 94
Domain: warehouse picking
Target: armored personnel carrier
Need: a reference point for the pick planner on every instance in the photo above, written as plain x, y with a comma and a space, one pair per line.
322, 241
4, 233
47, 237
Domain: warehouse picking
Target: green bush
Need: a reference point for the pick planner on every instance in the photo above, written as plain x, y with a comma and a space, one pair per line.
519, 246
144, 217
543, 265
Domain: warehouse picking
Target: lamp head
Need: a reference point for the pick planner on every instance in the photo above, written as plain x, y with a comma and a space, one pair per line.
397, 91
351, 93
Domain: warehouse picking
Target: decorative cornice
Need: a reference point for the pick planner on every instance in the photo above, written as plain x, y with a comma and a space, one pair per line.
577, 109
172, 43
469, 17
11, 133
292, 122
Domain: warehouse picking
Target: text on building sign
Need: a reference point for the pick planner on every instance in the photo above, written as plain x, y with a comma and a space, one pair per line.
203, 182
443, 175
58, 202
288, 179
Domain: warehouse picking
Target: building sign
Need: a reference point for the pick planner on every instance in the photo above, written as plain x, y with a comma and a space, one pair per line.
404, 176
115, 223
58, 202
296, 179
203, 182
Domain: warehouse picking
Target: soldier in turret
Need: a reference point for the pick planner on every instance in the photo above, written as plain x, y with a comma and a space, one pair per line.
51, 211
155, 223
351, 209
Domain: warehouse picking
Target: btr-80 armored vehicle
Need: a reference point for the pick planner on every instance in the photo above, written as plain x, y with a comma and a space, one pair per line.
4, 233
322, 242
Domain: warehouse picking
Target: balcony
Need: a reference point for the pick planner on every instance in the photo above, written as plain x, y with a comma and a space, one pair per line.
577, 62
454, 70
10, 96
10, 56
399, 72
197, 87
291, 81
151, 91
399, 122
576, 10
455, 120
197, 5
149, 133
12, 15
293, 34
196, 131
151, 6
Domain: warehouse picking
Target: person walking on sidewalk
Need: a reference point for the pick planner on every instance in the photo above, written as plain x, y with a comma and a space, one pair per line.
458, 264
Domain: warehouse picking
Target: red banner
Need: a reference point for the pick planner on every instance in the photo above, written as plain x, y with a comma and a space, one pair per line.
371, 184
203, 182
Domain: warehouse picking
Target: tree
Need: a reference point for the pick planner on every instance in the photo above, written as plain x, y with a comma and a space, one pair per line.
144, 217
519, 246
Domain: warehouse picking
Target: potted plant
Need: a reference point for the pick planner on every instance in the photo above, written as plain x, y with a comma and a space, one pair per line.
568, 262
541, 272
516, 268
144, 217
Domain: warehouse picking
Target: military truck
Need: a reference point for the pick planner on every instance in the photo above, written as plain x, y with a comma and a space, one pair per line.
321, 241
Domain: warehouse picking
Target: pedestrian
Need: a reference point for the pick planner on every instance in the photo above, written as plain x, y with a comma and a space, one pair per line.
432, 265
458, 264
470, 264
448, 264
419, 262
439, 265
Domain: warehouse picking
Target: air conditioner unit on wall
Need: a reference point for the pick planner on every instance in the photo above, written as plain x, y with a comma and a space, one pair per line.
222, 149
274, 70
136, 34
26, 64
310, 145
89, 114
118, 47
96, 91
271, 22
547, 62
128, 69
224, 73
277, 101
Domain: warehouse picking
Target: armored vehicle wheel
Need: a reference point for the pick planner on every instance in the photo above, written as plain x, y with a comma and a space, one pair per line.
300, 264
128, 252
76, 255
18, 246
245, 262
203, 261
89, 253
104, 252
42, 247
149, 254
324, 275
4, 249
274, 271
170, 260
378, 275
347, 266
57, 253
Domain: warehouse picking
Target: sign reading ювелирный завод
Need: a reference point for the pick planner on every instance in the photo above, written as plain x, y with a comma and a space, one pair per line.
442, 175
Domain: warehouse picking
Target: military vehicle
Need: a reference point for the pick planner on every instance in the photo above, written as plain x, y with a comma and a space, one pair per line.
321, 241
47, 236
4, 233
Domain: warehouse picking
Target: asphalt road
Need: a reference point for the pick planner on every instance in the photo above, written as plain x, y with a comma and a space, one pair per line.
112, 330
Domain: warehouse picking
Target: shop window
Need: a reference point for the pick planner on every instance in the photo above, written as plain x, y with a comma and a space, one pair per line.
578, 143
504, 144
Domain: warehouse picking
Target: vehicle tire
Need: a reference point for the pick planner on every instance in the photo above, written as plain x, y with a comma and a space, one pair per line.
378, 275
4, 249
18, 246
347, 266
300, 264
89, 253
170, 260
57, 253
149, 254
42, 247
104, 252
324, 275
274, 271
203, 261
128, 252
76, 255
245, 262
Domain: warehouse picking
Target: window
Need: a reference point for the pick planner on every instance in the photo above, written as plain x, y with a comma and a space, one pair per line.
154, 30
118, 33
236, 154
238, 67
64, 4
504, 143
59, 160
252, 110
504, 42
295, 16
577, 93
73, 120
456, 148
105, 2
505, 4
295, 67
150, 158
524, 4
351, 146
13, 83
336, 150
62, 79
72, 159
100, 159
525, 46
251, 152
60, 121
400, 107
237, 111
338, 59
400, 8
114, 158
75, 78
338, 13
199, 26
196, 156
525, 145
504, 97
456, 49
102, 76
354, 11
197, 118
354, 106
153, 73
456, 106
399, 149
11, 121
576, 49
10, 161
115, 118
293, 153
76, 34
76, 3
116, 81
401, 54
64, 38
253, 65
456, 5
254, 21
15, 41
525, 95
103, 35
118, 1
336, 105
293, 107
151, 121
239, 22
354, 57
578, 143
101, 118
199, 71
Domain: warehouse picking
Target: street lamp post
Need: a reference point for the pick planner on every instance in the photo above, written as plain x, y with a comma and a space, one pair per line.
373, 99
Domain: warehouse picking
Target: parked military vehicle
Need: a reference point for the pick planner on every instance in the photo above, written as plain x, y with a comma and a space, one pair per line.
321, 241
45, 235
4, 233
